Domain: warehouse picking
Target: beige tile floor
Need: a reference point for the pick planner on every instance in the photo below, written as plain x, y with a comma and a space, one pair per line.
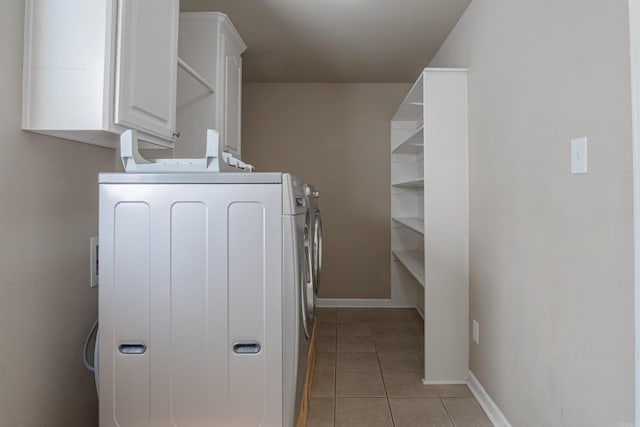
369, 373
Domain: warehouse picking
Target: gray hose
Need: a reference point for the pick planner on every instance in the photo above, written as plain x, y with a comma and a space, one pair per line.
85, 348
96, 363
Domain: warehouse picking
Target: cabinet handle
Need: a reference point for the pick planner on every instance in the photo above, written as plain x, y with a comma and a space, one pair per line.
177, 134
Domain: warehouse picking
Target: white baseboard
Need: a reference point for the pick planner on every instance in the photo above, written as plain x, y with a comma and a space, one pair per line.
359, 303
493, 412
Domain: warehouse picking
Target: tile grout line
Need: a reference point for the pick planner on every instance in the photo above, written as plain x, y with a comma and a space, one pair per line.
384, 384
335, 361
335, 374
446, 410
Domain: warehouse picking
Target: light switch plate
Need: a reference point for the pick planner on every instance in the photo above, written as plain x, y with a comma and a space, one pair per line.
579, 155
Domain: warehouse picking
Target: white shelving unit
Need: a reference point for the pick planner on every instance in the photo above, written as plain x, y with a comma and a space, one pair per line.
429, 209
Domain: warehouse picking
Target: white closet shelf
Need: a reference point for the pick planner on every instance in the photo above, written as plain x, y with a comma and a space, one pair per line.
414, 223
413, 261
416, 183
413, 144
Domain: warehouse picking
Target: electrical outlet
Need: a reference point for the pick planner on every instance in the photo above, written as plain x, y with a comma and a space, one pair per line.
93, 261
476, 332
579, 155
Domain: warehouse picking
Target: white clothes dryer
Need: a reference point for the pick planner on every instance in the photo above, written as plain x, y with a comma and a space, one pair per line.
298, 320
314, 224
201, 299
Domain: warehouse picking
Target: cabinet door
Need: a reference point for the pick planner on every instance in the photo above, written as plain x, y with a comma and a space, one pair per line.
146, 66
232, 105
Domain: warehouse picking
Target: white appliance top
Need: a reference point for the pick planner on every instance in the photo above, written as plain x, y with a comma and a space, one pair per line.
192, 178
214, 161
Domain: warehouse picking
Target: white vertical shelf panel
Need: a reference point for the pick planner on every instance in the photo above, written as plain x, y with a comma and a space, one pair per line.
429, 205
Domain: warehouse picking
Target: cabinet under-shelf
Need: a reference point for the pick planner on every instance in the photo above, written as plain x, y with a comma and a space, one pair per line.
413, 262
414, 223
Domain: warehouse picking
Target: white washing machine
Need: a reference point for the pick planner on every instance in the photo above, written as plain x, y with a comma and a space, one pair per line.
202, 299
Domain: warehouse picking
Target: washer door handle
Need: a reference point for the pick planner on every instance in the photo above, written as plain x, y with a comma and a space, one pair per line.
129, 348
247, 348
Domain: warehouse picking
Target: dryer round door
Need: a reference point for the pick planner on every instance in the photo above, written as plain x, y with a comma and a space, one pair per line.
309, 282
316, 251
302, 284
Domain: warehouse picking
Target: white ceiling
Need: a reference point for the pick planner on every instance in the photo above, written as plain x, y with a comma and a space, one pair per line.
337, 40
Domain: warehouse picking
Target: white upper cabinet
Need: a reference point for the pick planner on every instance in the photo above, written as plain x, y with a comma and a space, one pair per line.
146, 70
94, 68
210, 44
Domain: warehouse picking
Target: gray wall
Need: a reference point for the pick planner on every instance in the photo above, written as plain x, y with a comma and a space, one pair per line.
48, 211
550, 253
335, 136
